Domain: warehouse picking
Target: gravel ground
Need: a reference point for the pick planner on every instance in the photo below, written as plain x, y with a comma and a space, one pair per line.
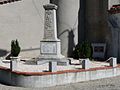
102, 84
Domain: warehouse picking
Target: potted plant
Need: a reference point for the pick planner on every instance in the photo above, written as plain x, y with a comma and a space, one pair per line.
15, 49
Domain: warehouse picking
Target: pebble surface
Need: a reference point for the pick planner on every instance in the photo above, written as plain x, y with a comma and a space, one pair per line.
102, 84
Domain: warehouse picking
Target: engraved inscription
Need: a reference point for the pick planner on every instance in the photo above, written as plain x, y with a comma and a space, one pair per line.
49, 34
48, 20
49, 30
99, 49
48, 48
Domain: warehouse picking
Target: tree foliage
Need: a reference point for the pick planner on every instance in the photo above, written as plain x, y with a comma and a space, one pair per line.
83, 50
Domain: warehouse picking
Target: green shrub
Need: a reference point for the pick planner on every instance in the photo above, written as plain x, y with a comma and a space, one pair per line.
83, 50
15, 48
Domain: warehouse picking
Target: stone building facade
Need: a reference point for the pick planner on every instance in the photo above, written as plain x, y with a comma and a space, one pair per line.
77, 20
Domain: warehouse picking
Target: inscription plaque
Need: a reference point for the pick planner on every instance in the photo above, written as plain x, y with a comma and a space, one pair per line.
48, 48
49, 34
99, 50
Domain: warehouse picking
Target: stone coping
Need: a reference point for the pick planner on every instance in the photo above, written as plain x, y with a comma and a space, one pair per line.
58, 72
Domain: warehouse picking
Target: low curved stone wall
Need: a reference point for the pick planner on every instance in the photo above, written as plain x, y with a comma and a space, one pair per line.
47, 79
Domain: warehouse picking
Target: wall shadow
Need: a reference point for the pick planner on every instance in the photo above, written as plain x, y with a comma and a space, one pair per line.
22, 50
3, 52
81, 21
70, 40
71, 43
31, 49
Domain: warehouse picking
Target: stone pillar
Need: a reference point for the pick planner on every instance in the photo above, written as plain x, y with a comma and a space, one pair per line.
0, 61
13, 65
50, 46
14, 62
50, 28
113, 62
67, 15
52, 66
86, 64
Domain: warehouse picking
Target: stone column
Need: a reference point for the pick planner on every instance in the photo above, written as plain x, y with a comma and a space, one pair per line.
113, 62
86, 64
13, 65
67, 15
52, 66
50, 46
50, 28
0, 61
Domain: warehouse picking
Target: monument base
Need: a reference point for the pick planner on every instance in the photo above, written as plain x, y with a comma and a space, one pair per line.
50, 51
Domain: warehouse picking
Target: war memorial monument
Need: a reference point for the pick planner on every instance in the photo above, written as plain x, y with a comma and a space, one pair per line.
49, 33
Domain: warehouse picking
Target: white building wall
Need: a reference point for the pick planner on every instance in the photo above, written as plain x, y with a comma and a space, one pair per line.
113, 2
22, 20
67, 20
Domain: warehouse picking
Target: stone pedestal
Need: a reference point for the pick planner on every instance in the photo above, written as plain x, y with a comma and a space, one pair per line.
113, 62
86, 64
0, 61
50, 46
13, 65
52, 66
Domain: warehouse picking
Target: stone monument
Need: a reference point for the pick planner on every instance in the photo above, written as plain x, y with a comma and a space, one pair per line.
50, 46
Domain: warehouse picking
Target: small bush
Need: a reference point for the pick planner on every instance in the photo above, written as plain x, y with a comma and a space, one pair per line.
83, 50
15, 48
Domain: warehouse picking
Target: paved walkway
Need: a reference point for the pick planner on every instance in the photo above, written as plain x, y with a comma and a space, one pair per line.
102, 84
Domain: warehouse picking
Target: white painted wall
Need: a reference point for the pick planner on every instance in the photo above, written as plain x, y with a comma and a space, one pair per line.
22, 20
113, 2
67, 20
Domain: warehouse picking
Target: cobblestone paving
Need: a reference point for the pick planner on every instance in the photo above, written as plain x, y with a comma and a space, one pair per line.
102, 84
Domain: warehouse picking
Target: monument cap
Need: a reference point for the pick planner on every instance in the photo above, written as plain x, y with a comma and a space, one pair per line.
50, 6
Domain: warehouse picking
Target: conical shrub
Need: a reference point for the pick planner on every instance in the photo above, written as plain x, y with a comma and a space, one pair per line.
15, 48
83, 50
